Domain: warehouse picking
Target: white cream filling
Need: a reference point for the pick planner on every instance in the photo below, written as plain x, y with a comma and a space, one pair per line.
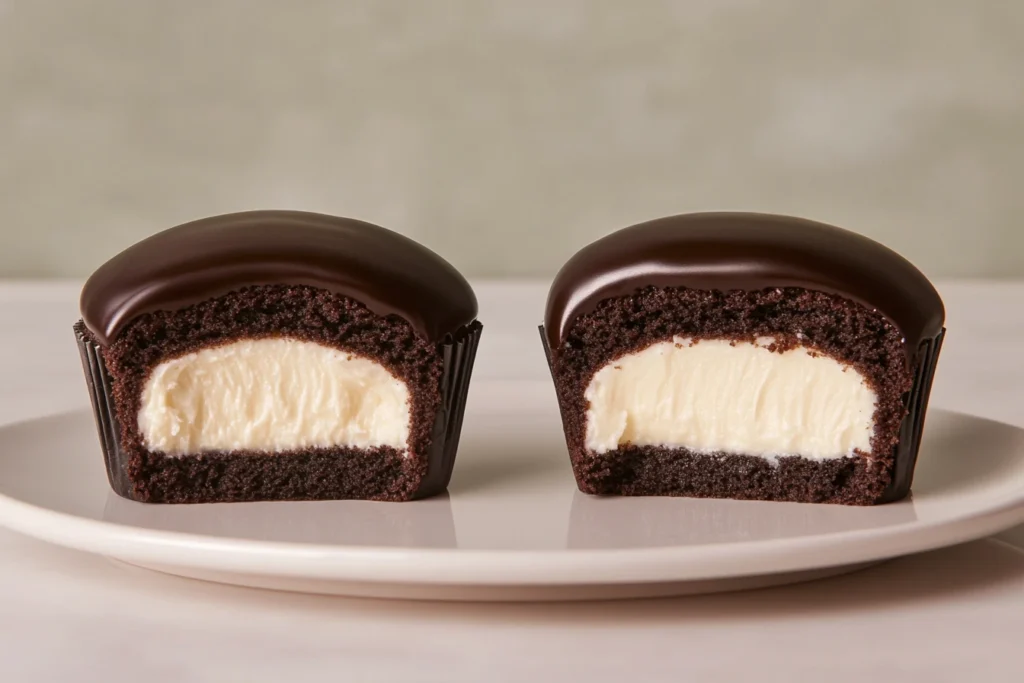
272, 395
741, 398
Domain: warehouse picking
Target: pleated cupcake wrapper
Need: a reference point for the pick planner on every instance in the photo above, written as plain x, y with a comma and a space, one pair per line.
101, 394
913, 424
459, 355
911, 429
458, 352
547, 351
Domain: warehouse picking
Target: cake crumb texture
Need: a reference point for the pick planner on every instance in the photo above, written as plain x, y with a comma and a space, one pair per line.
827, 323
276, 311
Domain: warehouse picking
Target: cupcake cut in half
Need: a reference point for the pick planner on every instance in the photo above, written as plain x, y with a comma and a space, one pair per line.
278, 355
740, 355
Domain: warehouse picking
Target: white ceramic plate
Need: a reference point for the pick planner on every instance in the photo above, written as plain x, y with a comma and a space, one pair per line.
513, 526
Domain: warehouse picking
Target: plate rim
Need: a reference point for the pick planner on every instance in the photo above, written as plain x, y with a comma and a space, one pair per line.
503, 567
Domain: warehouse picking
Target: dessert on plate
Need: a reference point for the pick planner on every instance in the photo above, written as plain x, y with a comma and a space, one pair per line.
278, 355
742, 355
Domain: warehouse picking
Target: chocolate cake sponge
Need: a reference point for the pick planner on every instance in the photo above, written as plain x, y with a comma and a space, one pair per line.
262, 311
761, 296
231, 314
838, 328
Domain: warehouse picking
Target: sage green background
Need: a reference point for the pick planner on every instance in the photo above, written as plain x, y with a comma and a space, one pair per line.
507, 134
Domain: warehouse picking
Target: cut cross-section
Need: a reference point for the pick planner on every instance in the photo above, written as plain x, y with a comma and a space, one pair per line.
721, 396
272, 395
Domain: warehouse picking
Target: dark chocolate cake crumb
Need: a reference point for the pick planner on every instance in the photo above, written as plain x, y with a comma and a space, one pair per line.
264, 311
314, 474
659, 471
826, 323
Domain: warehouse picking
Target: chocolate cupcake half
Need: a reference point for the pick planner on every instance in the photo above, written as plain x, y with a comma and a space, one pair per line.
737, 355
278, 355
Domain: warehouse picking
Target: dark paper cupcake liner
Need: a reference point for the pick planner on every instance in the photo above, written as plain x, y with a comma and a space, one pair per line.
458, 353
547, 350
913, 424
101, 395
912, 428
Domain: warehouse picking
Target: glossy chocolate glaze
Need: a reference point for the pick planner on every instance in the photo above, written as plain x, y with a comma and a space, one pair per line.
745, 251
387, 272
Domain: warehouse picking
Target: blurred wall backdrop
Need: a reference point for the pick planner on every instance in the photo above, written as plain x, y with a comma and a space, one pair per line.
507, 134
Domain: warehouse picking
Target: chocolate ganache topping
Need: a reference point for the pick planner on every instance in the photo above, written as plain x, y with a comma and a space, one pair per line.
744, 251
389, 273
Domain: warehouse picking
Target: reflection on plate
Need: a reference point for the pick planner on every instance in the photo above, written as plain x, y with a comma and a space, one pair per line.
648, 523
416, 524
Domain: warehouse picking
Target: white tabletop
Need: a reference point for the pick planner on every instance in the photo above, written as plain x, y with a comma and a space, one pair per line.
954, 614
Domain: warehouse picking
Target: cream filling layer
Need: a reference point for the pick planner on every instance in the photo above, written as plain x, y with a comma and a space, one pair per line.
739, 398
272, 395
